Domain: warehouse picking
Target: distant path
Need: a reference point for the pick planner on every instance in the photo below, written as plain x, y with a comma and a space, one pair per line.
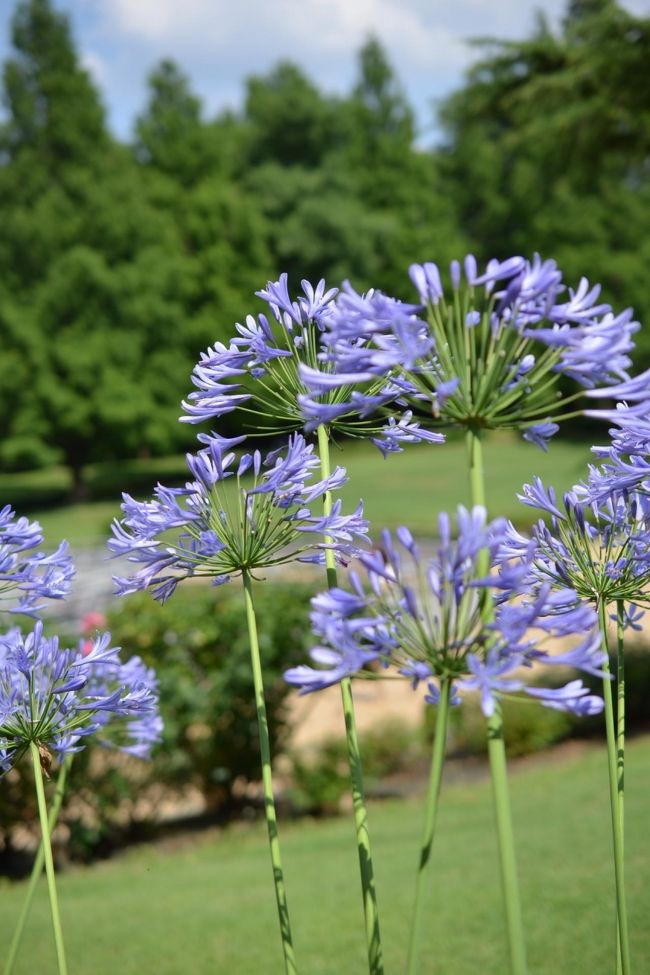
92, 586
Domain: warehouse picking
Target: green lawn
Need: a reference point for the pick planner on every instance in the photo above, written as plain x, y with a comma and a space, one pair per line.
412, 487
207, 907
409, 488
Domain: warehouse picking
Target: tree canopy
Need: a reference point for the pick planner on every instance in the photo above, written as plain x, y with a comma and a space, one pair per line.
548, 148
120, 263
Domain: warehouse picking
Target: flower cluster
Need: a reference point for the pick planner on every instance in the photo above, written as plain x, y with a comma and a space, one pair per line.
424, 618
488, 356
600, 549
625, 466
265, 373
237, 515
55, 697
26, 573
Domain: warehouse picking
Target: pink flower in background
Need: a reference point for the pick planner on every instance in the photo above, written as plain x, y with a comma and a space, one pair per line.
89, 624
92, 621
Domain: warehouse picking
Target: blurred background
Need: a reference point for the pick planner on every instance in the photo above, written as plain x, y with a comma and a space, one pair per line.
159, 162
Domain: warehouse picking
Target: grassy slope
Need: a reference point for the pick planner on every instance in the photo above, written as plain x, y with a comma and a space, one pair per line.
408, 488
208, 907
414, 486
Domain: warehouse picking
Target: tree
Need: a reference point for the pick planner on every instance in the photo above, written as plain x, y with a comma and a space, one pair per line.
171, 134
548, 144
385, 117
91, 270
382, 126
291, 122
54, 111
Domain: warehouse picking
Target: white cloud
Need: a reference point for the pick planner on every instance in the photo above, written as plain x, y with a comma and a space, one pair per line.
219, 42
96, 66
299, 28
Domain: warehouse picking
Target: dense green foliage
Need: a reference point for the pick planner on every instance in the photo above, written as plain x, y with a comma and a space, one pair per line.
198, 644
120, 263
548, 145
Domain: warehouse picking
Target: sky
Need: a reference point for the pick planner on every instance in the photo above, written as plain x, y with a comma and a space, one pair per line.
218, 43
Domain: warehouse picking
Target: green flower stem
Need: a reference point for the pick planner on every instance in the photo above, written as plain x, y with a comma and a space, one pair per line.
325, 471
267, 779
616, 803
497, 757
49, 862
476, 471
437, 760
37, 868
369, 893
509, 880
620, 742
620, 712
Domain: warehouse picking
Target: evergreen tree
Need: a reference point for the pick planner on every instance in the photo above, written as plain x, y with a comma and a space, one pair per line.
381, 110
90, 271
291, 122
171, 135
55, 114
548, 145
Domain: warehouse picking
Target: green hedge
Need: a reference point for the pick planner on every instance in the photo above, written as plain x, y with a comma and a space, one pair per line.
198, 644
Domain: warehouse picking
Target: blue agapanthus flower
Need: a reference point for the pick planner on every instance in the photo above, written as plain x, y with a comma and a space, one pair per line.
274, 373
56, 697
600, 549
27, 574
237, 514
423, 618
625, 461
139, 730
489, 353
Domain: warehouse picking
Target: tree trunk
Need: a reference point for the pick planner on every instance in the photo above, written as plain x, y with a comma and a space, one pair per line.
79, 488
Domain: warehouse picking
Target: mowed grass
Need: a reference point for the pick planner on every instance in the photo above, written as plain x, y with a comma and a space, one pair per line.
207, 905
412, 487
408, 488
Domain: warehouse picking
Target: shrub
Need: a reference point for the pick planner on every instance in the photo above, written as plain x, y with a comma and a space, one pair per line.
199, 646
321, 780
637, 692
527, 727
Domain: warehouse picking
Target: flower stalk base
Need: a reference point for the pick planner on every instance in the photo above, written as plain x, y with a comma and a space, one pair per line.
368, 890
37, 867
267, 781
49, 862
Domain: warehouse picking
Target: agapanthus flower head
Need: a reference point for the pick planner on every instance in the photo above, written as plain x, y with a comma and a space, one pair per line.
599, 549
422, 618
625, 461
27, 574
276, 374
56, 697
132, 729
488, 353
238, 514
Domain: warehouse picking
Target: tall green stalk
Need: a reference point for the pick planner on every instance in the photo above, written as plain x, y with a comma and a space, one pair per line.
267, 781
505, 836
615, 798
49, 862
497, 757
431, 812
37, 867
620, 745
620, 713
368, 890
